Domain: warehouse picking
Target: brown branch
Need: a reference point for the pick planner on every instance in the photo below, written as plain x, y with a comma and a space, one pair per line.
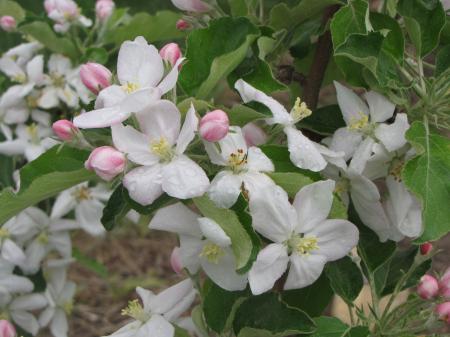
324, 49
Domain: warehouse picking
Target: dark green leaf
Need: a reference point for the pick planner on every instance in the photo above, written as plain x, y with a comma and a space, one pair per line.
116, 208
240, 115
97, 55
358, 331
13, 9
442, 60
330, 327
345, 278
325, 120
267, 313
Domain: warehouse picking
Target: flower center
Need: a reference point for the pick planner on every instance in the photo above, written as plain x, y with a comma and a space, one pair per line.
82, 193
57, 80
43, 238
212, 252
300, 110
32, 101
396, 169
32, 131
67, 307
20, 78
303, 245
4, 233
162, 149
237, 160
342, 185
135, 310
130, 87
359, 124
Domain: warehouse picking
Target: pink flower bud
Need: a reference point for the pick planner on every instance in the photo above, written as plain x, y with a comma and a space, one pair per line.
196, 6
104, 9
428, 287
7, 329
171, 52
254, 135
426, 248
444, 284
106, 161
175, 261
95, 76
182, 25
8, 23
214, 126
443, 311
64, 129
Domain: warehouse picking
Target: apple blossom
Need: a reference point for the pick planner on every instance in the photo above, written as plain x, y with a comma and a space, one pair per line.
7, 329
301, 235
140, 70
153, 317
171, 53
95, 76
304, 153
196, 6
64, 13
104, 9
243, 166
8, 23
428, 287
202, 243
254, 135
444, 284
159, 150
64, 129
11, 284
214, 126
443, 311
107, 162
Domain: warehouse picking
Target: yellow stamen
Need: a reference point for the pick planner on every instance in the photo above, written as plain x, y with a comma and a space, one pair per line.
396, 169
162, 149
303, 245
135, 310
32, 131
20, 78
32, 102
4, 233
300, 110
212, 252
131, 87
43, 238
68, 307
359, 123
342, 185
82, 193
237, 160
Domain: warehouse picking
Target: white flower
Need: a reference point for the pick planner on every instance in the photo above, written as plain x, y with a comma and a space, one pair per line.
23, 52
60, 85
59, 294
154, 317
202, 243
159, 149
47, 235
243, 166
19, 310
10, 283
304, 153
32, 73
366, 120
87, 203
140, 70
65, 13
301, 233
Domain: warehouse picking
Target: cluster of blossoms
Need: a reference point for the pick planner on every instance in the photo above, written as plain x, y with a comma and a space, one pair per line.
437, 290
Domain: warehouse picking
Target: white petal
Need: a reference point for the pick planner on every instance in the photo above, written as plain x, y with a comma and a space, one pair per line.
144, 184
224, 272
46, 316
233, 142
351, 105
15, 94
362, 155
304, 270
12, 252
26, 321
49, 98
16, 284
170, 81
64, 203
258, 161
59, 326
88, 213
269, 266
378, 164
273, 216
29, 302
214, 154
138, 100
254, 182
184, 179
160, 120
11, 68
16, 114
249, 93
109, 97
139, 63
181, 307
167, 299
380, 107
336, 238
13, 147
100, 118
393, 136
225, 188
59, 64
302, 151
313, 204
345, 140
190, 249
156, 326
35, 69
187, 133
176, 218
213, 232
62, 243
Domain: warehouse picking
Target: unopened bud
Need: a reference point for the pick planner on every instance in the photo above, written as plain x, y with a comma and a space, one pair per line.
64, 129
443, 311
171, 52
183, 25
95, 76
8, 23
104, 9
214, 126
428, 287
7, 329
106, 161
426, 248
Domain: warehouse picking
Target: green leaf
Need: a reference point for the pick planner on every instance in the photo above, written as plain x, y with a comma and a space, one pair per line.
350, 19
427, 175
442, 60
267, 313
394, 42
282, 16
116, 208
180, 332
330, 327
228, 220
43, 33
424, 21
345, 278
54, 171
358, 331
90, 263
199, 321
241, 114
158, 27
13, 9
214, 52
325, 120
220, 305
290, 182
98, 55
313, 299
